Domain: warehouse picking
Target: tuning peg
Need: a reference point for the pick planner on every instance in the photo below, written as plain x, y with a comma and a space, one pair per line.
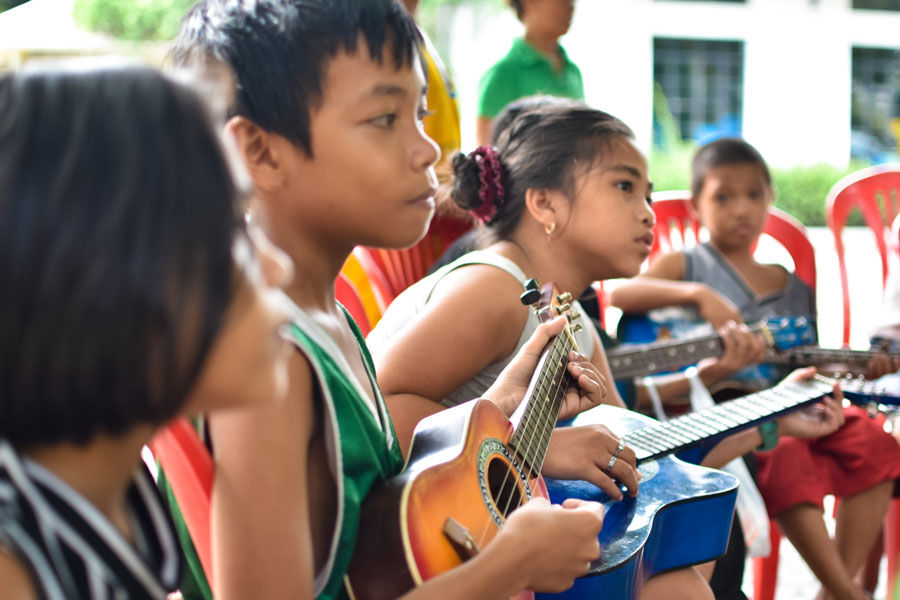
575, 316
564, 308
576, 328
564, 298
532, 293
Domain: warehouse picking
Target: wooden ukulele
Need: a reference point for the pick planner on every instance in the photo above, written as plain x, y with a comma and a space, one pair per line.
469, 467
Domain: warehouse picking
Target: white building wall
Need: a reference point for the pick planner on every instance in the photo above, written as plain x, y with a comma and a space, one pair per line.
797, 71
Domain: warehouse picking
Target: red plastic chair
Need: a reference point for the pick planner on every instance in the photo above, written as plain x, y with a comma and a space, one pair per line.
402, 268
363, 289
876, 192
190, 470
676, 218
347, 294
676, 223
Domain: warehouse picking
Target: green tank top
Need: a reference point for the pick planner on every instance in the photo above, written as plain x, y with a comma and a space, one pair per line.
362, 448
361, 441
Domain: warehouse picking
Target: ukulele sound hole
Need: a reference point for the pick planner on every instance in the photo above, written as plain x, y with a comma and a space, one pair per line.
503, 483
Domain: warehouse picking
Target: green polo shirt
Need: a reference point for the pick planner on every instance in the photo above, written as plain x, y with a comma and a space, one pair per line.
524, 72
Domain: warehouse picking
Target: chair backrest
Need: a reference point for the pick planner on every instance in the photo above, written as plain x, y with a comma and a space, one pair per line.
370, 288
675, 218
876, 192
190, 470
678, 225
402, 268
347, 294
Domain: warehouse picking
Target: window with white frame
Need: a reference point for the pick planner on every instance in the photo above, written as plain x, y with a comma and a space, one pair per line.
698, 88
875, 106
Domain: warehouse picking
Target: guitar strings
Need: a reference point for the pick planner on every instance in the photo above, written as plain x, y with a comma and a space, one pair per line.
528, 449
527, 426
541, 425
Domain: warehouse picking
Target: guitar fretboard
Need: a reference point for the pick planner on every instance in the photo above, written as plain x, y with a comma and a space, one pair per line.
814, 355
728, 417
662, 356
543, 403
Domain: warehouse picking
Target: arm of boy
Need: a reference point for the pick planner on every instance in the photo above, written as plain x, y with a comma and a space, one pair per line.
262, 536
541, 547
662, 285
742, 348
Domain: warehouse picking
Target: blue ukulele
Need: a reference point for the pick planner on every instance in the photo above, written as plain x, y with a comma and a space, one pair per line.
682, 514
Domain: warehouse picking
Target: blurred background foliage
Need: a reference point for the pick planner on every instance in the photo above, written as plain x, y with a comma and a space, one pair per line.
800, 191
133, 20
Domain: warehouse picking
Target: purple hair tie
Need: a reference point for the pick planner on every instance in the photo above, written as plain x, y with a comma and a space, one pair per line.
491, 191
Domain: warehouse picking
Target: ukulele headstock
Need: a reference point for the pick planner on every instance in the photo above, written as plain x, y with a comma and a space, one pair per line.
784, 333
872, 396
547, 305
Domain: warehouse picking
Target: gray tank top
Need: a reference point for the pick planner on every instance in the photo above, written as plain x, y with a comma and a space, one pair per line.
704, 264
406, 306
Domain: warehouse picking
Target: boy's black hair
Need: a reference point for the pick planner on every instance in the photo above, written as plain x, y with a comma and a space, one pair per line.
518, 7
541, 148
279, 51
117, 218
723, 152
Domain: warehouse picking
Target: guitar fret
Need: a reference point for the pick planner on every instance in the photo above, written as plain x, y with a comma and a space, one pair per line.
697, 421
746, 414
682, 430
659, 438
685, 431
673, 432
752, 410
535, 429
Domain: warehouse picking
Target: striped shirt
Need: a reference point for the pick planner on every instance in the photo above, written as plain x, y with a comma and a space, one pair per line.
71, 550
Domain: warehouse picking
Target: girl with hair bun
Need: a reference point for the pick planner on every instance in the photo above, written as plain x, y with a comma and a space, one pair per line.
563, 197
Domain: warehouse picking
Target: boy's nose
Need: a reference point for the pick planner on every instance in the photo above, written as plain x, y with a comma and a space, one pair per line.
648, 215
427, 153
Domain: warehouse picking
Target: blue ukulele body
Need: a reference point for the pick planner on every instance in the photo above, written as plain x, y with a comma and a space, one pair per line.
681, 517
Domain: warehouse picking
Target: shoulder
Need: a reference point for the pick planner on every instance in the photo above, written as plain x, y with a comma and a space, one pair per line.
17, 583
485, 298
671, 266
489, 285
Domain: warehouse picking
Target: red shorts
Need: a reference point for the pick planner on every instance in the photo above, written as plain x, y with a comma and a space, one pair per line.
853, 459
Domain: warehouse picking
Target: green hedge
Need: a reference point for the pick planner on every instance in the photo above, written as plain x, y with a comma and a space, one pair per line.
135, 20
800, 191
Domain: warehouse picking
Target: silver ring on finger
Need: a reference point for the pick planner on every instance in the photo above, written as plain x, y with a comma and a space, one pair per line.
612, 462
620, 446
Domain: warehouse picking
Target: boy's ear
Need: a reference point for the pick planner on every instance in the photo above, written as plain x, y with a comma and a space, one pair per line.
258, 150
543, 206
695, 203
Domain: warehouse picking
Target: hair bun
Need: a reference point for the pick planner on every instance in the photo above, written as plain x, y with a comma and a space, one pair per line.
479, 182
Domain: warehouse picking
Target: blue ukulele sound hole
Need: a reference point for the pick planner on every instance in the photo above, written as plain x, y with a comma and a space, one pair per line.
502, 480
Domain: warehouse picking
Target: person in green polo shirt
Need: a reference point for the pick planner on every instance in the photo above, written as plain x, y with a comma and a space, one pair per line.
536, 63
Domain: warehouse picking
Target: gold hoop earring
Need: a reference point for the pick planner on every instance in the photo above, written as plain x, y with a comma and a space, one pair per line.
549, 229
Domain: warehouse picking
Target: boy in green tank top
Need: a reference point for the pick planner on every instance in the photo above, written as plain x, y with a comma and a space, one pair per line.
327, 117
